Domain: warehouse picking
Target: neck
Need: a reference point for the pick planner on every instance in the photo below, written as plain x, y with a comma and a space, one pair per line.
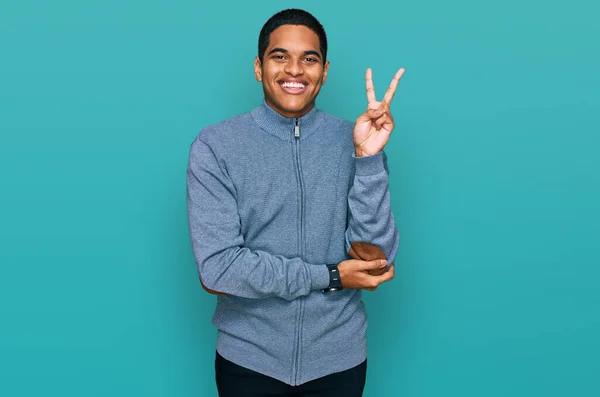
283, 126
290, 115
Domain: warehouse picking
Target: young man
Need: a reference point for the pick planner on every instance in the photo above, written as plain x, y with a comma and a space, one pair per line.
289, 215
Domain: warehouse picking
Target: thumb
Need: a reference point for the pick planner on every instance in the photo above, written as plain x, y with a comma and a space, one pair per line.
370, 115
376, 264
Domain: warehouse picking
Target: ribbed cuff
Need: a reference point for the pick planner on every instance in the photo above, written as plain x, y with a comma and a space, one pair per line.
369, 165
319, 276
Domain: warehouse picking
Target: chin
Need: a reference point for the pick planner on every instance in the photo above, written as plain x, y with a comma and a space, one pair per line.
289, 105
294, 107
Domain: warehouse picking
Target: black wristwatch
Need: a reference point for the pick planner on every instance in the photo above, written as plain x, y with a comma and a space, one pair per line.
335, 282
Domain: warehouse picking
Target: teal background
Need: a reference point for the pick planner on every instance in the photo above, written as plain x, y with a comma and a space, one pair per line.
494, 178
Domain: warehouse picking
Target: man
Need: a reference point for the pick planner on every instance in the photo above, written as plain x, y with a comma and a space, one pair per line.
289, 216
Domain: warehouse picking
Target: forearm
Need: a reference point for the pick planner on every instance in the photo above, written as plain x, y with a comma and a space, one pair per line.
256, 275
210, 291
370, 217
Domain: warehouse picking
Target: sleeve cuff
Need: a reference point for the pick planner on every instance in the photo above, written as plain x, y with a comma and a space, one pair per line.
369, 165
319, 276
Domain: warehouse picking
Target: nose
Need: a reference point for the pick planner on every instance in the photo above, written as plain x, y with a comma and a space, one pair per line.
294, 67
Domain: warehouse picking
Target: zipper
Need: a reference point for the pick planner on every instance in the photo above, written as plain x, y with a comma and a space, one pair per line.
296, 370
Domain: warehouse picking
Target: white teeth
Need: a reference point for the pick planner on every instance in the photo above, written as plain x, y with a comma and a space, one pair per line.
293, 85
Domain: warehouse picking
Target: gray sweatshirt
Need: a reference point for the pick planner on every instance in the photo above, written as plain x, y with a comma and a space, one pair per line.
271, 201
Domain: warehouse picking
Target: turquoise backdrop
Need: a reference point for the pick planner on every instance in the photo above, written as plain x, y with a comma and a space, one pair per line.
495, 184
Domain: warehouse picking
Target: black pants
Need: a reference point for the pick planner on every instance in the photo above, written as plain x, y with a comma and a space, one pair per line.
236, 381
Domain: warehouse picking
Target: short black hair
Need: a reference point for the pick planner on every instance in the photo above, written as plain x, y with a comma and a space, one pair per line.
291, 16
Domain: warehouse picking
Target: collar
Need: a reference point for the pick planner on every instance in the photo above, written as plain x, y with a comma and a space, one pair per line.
283, 127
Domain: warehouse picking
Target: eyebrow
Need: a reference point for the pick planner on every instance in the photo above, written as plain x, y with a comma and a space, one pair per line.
283, 50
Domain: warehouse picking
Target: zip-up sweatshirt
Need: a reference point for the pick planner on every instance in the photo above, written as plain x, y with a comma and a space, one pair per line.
271, 201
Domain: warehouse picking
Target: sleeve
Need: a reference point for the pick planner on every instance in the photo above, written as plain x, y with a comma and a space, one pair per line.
370, 217
224, 264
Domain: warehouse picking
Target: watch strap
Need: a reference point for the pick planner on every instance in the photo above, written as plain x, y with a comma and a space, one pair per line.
335, 281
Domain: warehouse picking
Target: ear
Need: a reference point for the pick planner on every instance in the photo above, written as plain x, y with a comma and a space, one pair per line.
325, 70
257, 69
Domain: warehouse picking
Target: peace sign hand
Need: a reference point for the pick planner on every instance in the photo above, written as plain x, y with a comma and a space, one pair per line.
373, 128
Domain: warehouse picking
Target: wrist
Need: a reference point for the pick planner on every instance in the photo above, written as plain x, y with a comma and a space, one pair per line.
335, 280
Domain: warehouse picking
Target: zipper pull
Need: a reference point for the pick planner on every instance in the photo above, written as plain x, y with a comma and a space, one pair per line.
297, 129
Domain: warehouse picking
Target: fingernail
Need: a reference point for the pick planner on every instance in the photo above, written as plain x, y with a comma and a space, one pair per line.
383, 263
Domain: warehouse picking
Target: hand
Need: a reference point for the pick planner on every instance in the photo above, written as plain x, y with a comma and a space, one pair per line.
368, 252
354, 274
373, 128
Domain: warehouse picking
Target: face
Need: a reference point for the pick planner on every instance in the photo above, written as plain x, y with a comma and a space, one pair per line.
292, 71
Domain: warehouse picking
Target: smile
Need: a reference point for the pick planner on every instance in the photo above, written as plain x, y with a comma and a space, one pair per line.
293, 87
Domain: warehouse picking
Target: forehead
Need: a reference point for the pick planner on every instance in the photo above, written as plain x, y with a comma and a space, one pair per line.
294, 37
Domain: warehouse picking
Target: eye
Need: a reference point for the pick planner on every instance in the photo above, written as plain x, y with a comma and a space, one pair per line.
278, 57
311, 60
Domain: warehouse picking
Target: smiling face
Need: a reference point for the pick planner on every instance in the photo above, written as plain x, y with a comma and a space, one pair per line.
292, 71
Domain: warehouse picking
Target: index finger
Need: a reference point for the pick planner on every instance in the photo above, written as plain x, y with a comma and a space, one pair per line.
370, 87
389, 94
